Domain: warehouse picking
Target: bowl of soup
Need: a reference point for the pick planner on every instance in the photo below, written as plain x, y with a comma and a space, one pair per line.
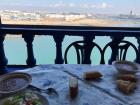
14, 82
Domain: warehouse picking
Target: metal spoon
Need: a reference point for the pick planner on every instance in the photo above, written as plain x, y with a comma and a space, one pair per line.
49, 91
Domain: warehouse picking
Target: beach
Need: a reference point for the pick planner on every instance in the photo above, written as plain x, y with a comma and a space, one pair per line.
84, 21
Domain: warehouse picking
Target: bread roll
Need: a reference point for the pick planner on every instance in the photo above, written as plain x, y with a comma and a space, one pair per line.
92, 75
131, 87
126, 86
128, 77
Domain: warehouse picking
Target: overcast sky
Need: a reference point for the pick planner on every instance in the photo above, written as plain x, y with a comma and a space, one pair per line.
94, 6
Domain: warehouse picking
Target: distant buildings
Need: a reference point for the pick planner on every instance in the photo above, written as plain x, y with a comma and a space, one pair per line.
129, 16
23, 15
74, 17
68, 17
19, 15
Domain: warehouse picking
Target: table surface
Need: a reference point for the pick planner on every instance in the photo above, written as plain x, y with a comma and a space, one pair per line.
101, 92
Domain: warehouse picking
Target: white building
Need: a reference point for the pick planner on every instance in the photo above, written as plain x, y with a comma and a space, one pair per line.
56, 16
74, 17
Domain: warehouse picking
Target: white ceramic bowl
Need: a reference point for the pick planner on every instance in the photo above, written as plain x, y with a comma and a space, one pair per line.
125, 67
14, 82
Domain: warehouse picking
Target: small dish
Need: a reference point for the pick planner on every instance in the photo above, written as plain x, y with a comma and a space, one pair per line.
14, 82
125, 67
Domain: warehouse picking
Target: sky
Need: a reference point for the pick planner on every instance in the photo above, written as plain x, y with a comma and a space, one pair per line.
85, 6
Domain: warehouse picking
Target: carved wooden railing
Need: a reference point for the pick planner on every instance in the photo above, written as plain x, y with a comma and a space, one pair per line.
59, 32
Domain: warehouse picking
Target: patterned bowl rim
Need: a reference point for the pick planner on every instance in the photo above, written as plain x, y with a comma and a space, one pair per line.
132, 64
24, 76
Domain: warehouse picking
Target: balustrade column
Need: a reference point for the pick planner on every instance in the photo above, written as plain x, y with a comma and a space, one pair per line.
138, 57
3, 59
87, 49
31, 61
58, 40
115, 42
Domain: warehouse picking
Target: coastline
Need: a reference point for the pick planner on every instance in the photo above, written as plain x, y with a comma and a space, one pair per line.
84, 21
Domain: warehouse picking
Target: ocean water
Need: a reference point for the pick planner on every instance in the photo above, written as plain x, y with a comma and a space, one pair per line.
45, 52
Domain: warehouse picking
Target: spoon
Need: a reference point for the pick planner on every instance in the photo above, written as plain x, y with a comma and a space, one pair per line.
49, 91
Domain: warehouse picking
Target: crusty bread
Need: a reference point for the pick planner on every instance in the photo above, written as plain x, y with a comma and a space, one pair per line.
126, 86
92, 75
127, 77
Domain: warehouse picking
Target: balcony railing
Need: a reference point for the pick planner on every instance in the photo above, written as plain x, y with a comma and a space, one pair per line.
28, 32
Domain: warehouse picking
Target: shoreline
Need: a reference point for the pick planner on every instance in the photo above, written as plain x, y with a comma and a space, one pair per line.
81, 22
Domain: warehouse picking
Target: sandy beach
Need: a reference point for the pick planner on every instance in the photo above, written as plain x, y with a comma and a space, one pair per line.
48, 21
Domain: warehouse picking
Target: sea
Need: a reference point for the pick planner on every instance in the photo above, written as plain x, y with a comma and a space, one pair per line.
45, 52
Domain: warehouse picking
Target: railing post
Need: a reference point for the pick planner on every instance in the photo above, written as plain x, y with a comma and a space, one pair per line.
87, 49
58, 40
115, 43
138, 57
31, 61
3, 59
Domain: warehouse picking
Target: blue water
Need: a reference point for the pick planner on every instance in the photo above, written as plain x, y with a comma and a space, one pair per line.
44, 49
